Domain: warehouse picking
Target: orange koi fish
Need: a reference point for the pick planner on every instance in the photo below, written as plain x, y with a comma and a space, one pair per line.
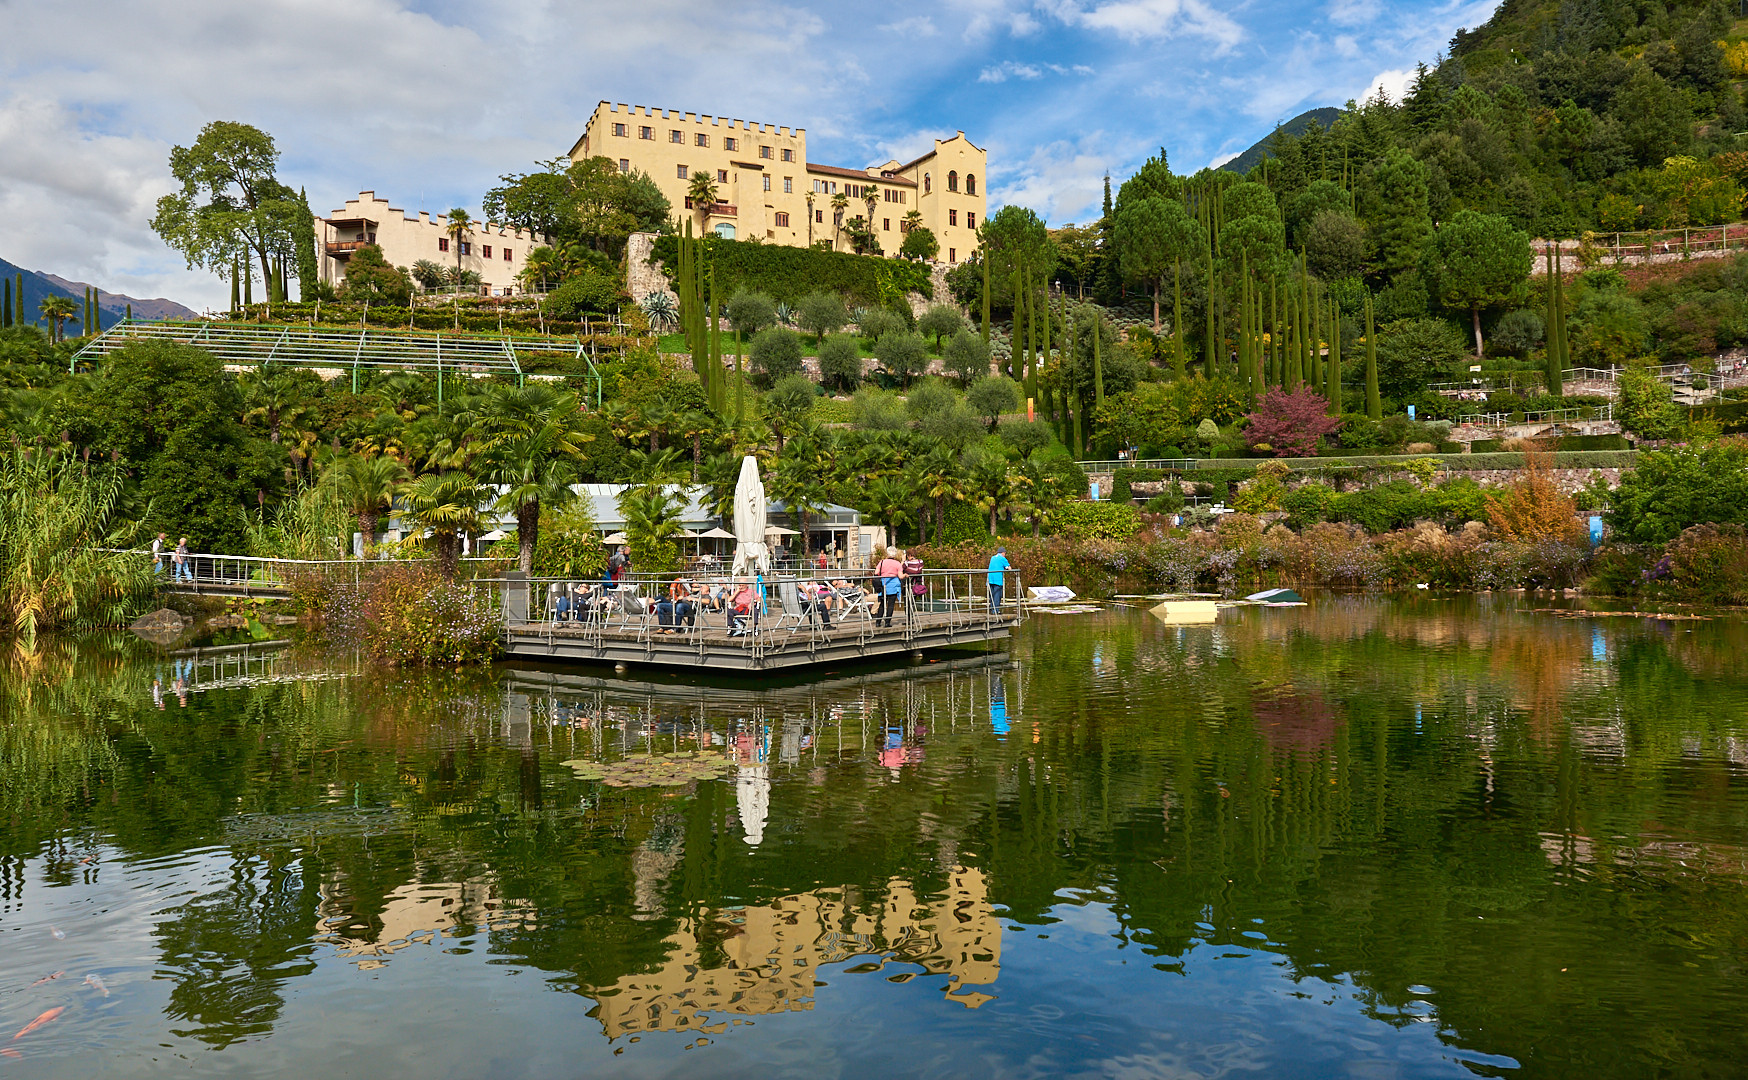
44, 979
41, 1020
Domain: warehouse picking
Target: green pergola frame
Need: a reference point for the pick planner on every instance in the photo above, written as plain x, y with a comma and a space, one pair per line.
258, 345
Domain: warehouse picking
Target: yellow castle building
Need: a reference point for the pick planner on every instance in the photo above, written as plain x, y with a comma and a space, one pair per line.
768, 189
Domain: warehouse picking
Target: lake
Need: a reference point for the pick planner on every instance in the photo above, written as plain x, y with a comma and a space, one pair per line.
1371, 837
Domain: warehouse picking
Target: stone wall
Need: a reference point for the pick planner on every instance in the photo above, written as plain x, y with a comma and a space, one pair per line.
642, 276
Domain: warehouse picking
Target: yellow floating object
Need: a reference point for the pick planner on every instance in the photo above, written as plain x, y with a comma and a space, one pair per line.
1186, 611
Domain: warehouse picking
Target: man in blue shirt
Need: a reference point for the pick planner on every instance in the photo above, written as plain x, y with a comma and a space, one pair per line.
998, 565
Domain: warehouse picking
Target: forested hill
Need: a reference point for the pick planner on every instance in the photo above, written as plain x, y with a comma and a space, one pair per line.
1252, 157
1561, 117
39, 286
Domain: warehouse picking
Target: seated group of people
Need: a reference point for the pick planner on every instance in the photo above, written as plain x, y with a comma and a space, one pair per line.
685, 599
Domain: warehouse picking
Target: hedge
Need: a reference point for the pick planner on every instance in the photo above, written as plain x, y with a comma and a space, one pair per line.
789, 273
1566, 442
1096, 520
1731, 415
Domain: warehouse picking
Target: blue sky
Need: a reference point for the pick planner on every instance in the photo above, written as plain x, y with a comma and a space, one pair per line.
426, 103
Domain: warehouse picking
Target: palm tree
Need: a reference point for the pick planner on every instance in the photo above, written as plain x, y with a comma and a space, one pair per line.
702, 192
59, 309
941, 481
429, 275
653, 418
651, 520
367, 487
910, 221
446, 504
993, 485
542, 267
695, 424
871, 199
800, 485
810, 219
277, 395
655, 469
530, 439
890, 499
840, 203
460, 227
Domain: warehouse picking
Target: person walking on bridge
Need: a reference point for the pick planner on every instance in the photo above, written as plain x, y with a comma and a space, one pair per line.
180, 558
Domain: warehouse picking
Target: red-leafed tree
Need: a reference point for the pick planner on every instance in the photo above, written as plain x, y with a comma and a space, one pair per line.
1289, 424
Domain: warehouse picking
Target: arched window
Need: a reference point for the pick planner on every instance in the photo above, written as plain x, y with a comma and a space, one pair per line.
925, 183
953, 181
970, 183
725, 230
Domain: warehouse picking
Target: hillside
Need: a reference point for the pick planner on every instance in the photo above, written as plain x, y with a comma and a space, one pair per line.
1248, 160
112, 307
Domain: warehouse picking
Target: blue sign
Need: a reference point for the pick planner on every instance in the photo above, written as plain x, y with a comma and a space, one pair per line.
1595, 529
1095, 491
1410, 412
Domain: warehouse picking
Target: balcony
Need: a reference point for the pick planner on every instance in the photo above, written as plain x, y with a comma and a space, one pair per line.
343, 248
720, 209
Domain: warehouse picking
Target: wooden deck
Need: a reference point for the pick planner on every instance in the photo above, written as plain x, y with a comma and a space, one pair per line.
708, 648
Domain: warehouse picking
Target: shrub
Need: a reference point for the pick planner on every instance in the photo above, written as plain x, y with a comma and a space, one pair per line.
1672, 490
993, 396
902, 353
942, 321
1709, 563
840, 362
1533, 509
1289, 424
1025, 436
408, 613
966, 357
873, 409
1100, 520
821, 313
789, 274
775, 353
1307, 504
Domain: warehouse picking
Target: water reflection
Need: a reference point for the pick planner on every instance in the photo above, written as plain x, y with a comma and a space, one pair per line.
1358, 836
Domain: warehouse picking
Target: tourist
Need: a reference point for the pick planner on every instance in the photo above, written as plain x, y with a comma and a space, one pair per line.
888, 580
561, 608
913, 573
744, 607
158, 554
817, 597
998, 567
617, 564
180, 558
822, 562
676, 607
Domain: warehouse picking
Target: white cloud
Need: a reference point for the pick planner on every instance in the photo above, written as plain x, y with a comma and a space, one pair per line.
1353, 12
1139, 20
1056, 179
1222, 159
1393, 83
915, 26
1010, 69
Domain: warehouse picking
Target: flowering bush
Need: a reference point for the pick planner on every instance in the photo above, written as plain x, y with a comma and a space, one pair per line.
408, 613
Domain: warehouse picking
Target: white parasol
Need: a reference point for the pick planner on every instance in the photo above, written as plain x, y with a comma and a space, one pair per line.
750, 553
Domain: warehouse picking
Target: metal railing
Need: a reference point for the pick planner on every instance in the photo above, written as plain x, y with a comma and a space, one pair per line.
789, 610
1540, 416
1179, 464
251, 574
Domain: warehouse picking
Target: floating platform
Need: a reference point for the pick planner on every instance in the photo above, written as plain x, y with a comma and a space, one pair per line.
706, 649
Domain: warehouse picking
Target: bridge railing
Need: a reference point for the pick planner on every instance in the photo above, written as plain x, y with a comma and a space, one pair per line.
203, 570
789, 611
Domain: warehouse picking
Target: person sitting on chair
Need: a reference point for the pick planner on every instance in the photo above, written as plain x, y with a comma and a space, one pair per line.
561, 607
680, 607
745, 607
816, 597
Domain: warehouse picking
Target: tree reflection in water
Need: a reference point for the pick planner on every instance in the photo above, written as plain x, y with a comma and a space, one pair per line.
1525, 830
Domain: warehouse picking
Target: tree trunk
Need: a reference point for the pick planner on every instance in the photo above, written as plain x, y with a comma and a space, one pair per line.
366, 529
991, 519
1156, 308
448, 553
527, 534
1476, 312
698, 444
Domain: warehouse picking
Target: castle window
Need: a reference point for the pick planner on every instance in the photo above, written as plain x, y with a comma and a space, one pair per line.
624, 165
953, 181
782, 220
701, 139
485, 251
675, 136
645, 132
926, 186
970, 220
765, 152
680, 171
619, 130
443, 243
819, 217
788, 185
767, 180
952, 217
506, 254
885, 224
952, 255
970, 183
788, 155
722, 176
729, 144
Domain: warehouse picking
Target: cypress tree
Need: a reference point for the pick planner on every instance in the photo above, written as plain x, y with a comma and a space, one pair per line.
1177, 320
1296, 352
18, 302
236, 286
713, 383
130, 313
1555, 344
1043, 360
1333, 368
1098, 366
1374, 404
304, 235
983, 257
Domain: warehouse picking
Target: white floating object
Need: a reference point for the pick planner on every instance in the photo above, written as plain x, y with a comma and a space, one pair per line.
1051, 594
1186, 611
